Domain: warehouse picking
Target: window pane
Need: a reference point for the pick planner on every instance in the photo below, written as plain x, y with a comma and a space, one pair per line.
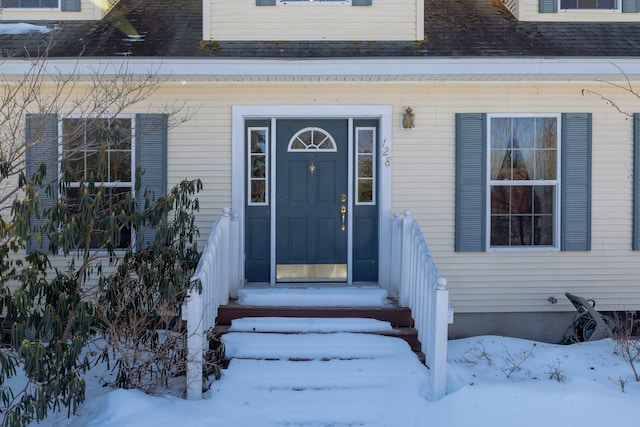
365, 190
119, 134
258, 167
545, 165
120, 166
543, 199
522, 165
568, 4
521, 231
500, 199
521, 199
365, 166
544, 231
258, 191
500, 230
500, 148
258, 141
91, 164
523, 135
546, 132
365, 141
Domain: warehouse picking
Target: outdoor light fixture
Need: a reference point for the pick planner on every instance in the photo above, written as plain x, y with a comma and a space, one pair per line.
408, 119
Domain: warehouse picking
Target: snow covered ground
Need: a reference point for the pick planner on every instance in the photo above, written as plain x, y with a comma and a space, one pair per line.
337, 375
493, 381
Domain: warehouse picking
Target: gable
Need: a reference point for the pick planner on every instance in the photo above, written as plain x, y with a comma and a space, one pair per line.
287, 20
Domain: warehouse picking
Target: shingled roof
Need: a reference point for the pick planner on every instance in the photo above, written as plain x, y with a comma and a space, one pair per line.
470, 28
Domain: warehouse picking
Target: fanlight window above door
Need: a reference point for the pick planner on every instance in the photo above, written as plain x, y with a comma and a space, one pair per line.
312, 138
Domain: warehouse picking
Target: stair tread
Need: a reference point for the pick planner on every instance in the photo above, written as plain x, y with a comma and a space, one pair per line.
311, 345
308, 324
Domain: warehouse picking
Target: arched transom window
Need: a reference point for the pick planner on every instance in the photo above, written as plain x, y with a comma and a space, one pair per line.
312, 138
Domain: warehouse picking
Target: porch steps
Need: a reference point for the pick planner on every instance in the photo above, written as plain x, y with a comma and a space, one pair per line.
319, 379
398, 319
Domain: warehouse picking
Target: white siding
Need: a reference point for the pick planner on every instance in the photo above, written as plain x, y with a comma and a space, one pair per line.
423, 173
384, 20
90, 10
423, 181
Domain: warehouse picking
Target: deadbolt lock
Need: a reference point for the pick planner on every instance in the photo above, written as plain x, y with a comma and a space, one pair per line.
343, 197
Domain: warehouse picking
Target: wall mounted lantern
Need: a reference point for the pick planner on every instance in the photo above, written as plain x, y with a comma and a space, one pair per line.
408, 119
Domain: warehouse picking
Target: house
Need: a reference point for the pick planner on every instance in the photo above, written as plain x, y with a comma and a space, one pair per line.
492, 122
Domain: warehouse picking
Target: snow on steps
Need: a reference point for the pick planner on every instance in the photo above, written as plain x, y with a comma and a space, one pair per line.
340, 379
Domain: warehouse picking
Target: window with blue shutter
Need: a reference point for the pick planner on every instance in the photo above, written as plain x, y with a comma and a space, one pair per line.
507, 182
87, 143
29, 4
552, 6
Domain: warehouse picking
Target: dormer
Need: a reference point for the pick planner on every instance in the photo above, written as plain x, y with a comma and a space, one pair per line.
575, 10
53, 10
289, 20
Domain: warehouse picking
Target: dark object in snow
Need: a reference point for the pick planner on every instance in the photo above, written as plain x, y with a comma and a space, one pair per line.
587, 324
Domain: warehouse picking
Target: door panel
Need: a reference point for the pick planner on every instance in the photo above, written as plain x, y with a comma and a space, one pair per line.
309, 183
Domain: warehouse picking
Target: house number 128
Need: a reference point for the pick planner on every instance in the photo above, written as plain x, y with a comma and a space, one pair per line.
385, 153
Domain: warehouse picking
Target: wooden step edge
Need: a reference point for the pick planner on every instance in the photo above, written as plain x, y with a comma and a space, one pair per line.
397, 316
408, 334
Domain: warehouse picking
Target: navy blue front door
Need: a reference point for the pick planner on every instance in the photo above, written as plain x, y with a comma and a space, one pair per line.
311, 200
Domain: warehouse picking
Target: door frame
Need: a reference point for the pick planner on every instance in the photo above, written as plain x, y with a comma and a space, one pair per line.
383, 113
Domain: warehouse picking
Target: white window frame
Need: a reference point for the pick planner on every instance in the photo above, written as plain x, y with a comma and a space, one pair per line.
115, 184
59, 7
616, 9
557, 183
313, 2
333, 149
374, 176
267, 156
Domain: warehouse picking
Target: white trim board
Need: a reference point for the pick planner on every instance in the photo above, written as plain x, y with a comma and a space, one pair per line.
191, 70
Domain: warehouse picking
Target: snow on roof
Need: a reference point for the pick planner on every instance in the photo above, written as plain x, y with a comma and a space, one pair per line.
22, 28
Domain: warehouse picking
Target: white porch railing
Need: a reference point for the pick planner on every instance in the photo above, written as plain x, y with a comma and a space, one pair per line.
415, 276
219, 275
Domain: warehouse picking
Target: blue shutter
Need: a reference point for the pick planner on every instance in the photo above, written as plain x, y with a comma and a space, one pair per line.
575, 208
547, 6
471, 153
361, 2
630, 6
636, 183
70, 5
151, 154
42, 138
265, 2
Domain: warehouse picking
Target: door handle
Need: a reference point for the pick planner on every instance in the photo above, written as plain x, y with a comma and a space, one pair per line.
343, 211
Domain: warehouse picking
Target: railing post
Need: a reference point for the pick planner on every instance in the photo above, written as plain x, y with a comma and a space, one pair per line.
440, 337
236, 263
396, 256
405, 258
225, 255
193, 309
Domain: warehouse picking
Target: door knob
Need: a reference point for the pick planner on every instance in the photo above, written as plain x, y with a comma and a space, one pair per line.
343, 211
